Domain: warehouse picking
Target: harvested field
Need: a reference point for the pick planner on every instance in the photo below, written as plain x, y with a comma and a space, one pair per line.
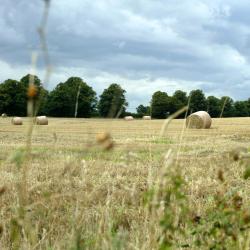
77, 194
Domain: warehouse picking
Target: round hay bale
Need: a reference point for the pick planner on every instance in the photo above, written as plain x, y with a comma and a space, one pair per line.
199, 120
146, 117
41, 120
4, 115
17, 121
128, 118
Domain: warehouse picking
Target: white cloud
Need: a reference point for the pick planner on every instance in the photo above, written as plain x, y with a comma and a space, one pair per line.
143, 45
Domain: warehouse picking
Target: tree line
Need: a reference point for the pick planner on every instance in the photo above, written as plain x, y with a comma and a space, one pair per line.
75, 98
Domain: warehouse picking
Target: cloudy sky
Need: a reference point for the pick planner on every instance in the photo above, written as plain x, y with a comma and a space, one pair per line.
144, 45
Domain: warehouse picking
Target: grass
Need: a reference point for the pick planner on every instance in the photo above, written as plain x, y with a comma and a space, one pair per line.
81, 196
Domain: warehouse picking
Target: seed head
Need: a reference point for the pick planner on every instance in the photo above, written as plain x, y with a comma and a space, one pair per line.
102, 137
221, 175
246, 217
32, 91
108, 145
237, 201
2, 190
196, 219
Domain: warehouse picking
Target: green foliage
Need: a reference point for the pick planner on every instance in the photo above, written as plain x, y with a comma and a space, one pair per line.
11, 102
197, 101
112, 101
179, 100
160, 105
143, 110
213, 106
38, 99
227, 106
18, 157
247, 173
13, 96
175, 214
62, 100
161, 140
248, 105
43, 109
135, 115
241, 109
223, 225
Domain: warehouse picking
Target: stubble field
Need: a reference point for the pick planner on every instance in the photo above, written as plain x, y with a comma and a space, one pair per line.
70, 192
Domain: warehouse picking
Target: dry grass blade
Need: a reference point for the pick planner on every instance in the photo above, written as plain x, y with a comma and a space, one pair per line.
223, 107
170, 118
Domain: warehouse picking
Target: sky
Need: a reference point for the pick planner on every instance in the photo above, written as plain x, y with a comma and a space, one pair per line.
143, 45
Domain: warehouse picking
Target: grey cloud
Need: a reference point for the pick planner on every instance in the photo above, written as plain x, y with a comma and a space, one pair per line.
189, 43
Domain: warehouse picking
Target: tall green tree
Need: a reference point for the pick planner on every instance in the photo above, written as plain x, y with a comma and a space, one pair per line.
112, 101
227, 106
179, 100
43, 99
13, 95
213, 106
241, 109
142, 110
197, 101
40, 99
160, 105
69, 96
30, 78
248, 105
11, 101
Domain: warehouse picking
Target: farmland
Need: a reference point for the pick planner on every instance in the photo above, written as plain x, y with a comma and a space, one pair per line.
72, 193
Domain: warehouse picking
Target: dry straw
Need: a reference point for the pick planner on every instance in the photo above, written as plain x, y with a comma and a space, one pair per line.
41, 120
128, 118
17, 121
146, 117
199, 120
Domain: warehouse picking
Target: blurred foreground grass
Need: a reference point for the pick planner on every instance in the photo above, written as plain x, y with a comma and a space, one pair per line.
81, 196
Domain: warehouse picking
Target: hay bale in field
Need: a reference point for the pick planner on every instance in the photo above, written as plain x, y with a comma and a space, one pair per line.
17, 121
4, 115
129, 118
199, 120
41, 120
146, 117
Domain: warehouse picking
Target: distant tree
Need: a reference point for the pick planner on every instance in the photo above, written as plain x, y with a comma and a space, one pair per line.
160, 105
227, 106
213, 106
197, 101
43, 100
39, 101
30, 78
248, 105
13, 95
179, 100
142, 110
63, 100
112, 101
11, 102
241, 109
135, 115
